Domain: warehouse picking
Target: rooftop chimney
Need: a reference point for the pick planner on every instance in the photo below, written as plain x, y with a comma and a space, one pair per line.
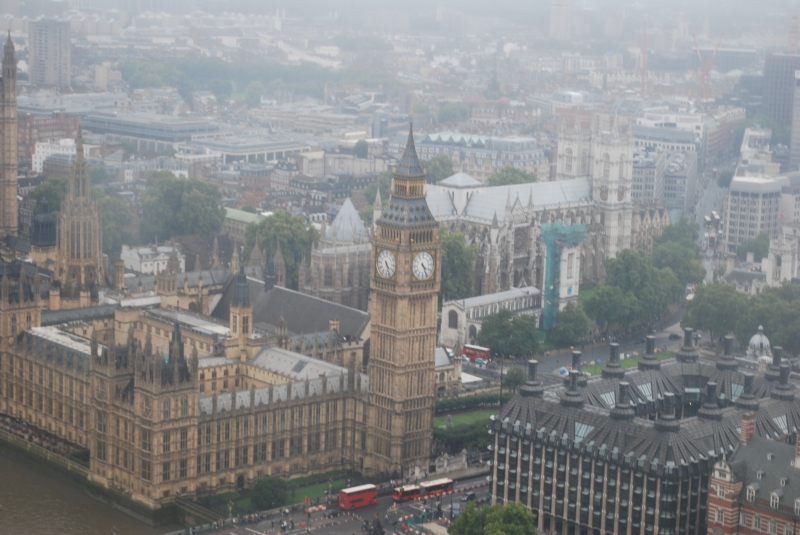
666, 420
650, 361
748, 426
710, 409
727, 362
773, 373
747, 400
687, 353
572, 397
613, 368
622, 409
532, 387
783, 390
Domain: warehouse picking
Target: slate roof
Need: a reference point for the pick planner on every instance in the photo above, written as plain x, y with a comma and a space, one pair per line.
774, 460
692, 446
302, 313
347, 225
58, 317
461, 180
486, 202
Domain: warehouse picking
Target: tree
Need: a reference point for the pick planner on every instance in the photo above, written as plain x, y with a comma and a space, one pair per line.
684, 262
173, 206
54, 189
249, 208
725, 178
571, 326
269, 493
509, 175
511, 519
610, 306
514, 378
438, 168
99, 175
253, 93
457, 260
361, 149
508, 334
291, 232
452, 112
115, 220
682, 232
366, 214
715, 308
632, 271
778, 311
383, 182
759, 246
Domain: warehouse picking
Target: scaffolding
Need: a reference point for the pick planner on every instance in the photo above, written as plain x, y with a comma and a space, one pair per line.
556, 236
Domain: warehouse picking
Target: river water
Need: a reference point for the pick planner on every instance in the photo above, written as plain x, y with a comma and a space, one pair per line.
38, 501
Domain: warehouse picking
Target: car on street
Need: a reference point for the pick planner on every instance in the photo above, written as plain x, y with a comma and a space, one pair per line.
332, 513
480, 362
674, 336
468, 497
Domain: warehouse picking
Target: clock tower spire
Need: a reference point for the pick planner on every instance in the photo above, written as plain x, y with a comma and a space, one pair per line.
405, 283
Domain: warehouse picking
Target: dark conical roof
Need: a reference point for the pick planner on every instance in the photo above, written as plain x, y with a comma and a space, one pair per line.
409, 165
241, 294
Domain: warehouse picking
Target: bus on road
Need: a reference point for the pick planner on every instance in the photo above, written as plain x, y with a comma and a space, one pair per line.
360, 496
435, 487
475, 352
405, 493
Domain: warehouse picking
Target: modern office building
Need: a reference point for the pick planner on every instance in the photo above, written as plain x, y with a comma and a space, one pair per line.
752, 206
680, 181
633, 451
779, 83
648, 175
50, 52
794, 144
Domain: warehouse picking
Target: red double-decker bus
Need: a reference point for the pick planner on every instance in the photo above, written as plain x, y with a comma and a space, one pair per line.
475, 352
360, 496
435, 487
405, 493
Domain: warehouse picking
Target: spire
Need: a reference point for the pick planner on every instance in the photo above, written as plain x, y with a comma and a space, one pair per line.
530, 199
377, 204
8, 51
409, 166
241, 294
79, 145
495, 224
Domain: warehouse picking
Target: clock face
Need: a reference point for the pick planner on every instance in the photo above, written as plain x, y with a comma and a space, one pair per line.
422, 267
386, 264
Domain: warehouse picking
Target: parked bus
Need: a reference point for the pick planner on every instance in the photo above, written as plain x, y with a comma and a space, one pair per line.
475, 352
707, 220
435, 487
360, 496
405, 493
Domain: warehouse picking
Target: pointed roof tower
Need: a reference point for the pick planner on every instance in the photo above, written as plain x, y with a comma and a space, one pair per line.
409, 166
241, 295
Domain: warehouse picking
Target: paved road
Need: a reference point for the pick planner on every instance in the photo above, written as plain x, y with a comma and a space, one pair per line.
351, 522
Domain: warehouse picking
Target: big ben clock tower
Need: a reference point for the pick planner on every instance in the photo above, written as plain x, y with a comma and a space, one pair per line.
405, 278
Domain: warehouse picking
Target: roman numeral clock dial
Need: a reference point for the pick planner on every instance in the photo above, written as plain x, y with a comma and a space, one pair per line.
386, 264
422, 267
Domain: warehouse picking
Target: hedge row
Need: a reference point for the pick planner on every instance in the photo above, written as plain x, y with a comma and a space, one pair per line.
465, 403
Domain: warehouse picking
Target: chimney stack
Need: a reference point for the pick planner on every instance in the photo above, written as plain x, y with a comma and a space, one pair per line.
727, 362
613, 367
622, 408
783, 390
748, 426
532, 387
666, 420
687, 352
650, 361
773, 372
747, 400
650, 347
710, 409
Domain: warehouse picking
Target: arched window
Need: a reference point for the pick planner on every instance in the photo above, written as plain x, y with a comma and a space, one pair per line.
622, 167
606, 166
473, 332
184, 406
452, 319
568, 158
328, 276
28, 322
584, 162
166, 409
13, 324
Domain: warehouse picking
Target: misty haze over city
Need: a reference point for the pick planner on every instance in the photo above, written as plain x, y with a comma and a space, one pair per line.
400, 267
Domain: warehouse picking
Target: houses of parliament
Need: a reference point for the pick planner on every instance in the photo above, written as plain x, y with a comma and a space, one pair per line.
230, 377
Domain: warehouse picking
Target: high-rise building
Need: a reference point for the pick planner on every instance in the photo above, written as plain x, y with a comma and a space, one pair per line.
779, 83
406, 253
8, 131
50, 52
561, 20
794, 148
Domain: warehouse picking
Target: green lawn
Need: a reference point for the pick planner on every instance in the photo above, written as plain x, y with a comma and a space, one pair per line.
627, 363
467, 418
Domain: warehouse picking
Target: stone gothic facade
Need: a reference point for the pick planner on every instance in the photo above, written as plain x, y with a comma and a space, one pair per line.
595, 166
